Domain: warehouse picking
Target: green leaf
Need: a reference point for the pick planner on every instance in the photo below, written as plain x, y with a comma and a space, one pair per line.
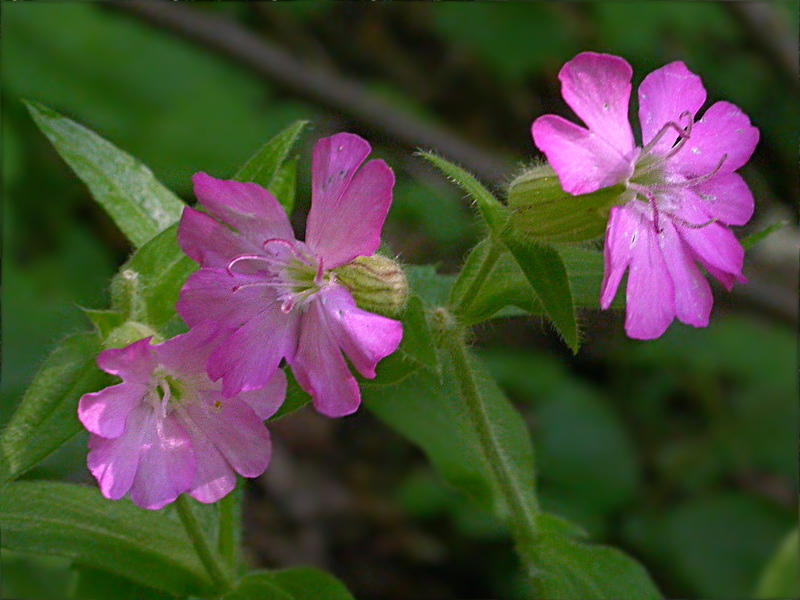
161, 269
47, 416
781, 577
76, 522
296, 398
301, 583
427, 411
102, 585
139, 205
547, 275
492, 210
754, 238
432, 287
265, 166
569, 569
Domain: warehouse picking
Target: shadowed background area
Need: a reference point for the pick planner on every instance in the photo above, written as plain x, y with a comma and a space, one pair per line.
682, 450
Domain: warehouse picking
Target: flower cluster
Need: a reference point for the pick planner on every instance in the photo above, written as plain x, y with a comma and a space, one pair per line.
189, 412
681, 189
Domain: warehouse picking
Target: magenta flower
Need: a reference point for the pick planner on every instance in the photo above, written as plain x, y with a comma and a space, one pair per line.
681, 188
167, 429
279, 296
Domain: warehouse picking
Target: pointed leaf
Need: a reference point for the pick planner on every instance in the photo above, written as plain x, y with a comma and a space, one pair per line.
754, 238
547, 275
283, 184
128, 191
47, 416
61, 519
492, 210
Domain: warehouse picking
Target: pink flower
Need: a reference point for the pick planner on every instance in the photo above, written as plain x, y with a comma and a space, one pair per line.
167, 429
681, 189
280, 296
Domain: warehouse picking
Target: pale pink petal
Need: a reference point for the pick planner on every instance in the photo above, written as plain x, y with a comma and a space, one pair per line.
133, 363
346, 221
113, 462
664, 95
214, 477
320, 368
166, 463
215, 295
247, 360
621, 233
693, 298
232, 427
187, 354
650, 296
714, 247
366, 338
726, 198
583, 161
724, 131
598, 88
266, 401
104, 413
247, 207
335, 161
209, 243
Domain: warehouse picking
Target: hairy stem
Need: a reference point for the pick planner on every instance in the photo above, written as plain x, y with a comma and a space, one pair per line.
219, 575
522, 517
227, 524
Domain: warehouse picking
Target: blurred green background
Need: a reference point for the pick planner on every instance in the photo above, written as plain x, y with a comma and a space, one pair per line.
682, 450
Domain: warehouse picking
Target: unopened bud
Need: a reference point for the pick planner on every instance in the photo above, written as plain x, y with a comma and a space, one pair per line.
377, 284
129, 332
542, 211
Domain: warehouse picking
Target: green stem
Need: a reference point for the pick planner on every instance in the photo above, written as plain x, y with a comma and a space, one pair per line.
219, 575
227, 524
475, 285
522, 515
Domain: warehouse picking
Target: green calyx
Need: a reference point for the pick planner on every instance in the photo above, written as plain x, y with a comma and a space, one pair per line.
377, 284
542, 211
128, 333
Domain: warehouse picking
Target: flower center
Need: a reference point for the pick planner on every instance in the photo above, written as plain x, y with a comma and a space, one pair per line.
168, 392
287, 267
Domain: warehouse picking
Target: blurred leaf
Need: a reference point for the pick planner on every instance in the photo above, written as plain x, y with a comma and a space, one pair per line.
428, 412
781, 577
270, 169
432, 287
296, 398
32, 577
162, 268
47, 415
301, 583
492, 210
105, 320
754, 238
547, 275
67, 520
96, 584
140, 206
569, 569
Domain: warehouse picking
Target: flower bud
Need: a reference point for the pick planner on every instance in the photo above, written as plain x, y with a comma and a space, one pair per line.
377, 284
128, 333
542, 211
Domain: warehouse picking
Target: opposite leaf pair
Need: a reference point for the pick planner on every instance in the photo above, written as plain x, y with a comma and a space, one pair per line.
260, 296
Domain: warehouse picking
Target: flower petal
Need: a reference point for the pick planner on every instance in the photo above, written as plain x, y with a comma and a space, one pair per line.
133, 363
247, 207
620, 236
209, 243
266, 401
693, 299
365, 337
187, 354
104, 413
227, 300
598, 88
714, 247
166, 463
247, 360
726, 198
348, 209
232, 427
664, 95
723, 131
320, 368
650, 296
113, 462
583, 161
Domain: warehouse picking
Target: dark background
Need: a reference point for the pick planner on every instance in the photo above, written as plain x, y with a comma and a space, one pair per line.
681, 451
